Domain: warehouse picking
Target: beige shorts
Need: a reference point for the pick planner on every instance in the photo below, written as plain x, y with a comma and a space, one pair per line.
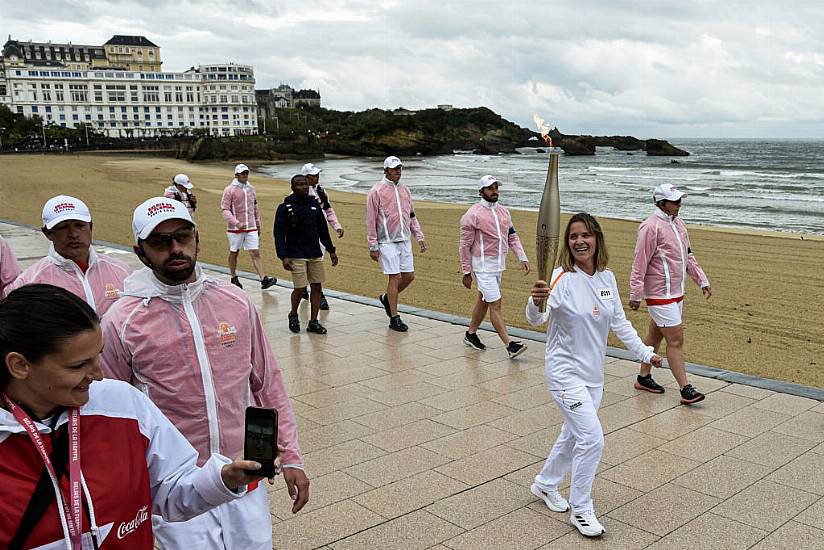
306, 272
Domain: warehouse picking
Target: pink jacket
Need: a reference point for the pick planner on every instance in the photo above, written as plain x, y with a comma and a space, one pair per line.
200, 352
172, 192
486, 236
390, 215
240, 208
100, 286
663, 259
9, 269
331, 217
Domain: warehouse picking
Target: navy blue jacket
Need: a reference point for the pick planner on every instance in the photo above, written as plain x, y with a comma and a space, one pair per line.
300, 227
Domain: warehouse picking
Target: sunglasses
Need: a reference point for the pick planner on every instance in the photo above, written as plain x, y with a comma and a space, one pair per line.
163, 241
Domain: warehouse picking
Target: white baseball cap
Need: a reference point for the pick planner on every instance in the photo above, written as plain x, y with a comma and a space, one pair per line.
240, 168
153, 211
486, 181
667, 192
62, 208
310, 169
183, 179
392, 162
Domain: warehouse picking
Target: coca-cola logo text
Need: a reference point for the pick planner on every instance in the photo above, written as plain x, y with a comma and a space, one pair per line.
126, 528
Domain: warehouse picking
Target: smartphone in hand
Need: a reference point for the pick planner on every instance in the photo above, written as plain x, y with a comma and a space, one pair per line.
260, 443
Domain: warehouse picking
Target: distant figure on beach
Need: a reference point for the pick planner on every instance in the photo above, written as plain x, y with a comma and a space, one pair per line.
312, 174
197, 347
663, 259
72, 262
179, 190
583, 306
390, 224
301, 236
240, 210
487, 234
9, 268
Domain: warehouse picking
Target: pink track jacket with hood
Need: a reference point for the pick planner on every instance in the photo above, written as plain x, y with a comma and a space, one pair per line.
9, 269
240, 208
663, 259
390, 215
200, 352
487, 234
100, 286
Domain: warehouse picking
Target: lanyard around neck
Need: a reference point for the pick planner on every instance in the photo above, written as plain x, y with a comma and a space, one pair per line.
73, 520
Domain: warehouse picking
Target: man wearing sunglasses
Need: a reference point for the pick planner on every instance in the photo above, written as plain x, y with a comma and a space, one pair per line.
196, 346
663, 259
72, 262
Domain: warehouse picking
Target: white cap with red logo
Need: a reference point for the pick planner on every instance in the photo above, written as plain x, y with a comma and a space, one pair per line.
392, 162
153, 212
183, 179
62, 208
667, 192
486, 181
310, 169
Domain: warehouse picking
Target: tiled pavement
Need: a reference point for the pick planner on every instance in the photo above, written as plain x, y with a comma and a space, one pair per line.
417, 441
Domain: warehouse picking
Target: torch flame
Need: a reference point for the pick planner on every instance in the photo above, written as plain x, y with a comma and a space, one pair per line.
543, 128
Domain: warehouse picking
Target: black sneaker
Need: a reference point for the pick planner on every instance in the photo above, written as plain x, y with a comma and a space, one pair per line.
385, 301
294, 322
236, 281
514, 349
305, 294
266, 282
395, 323
473, 341
646, 383
316, 327
690, 395
324, 305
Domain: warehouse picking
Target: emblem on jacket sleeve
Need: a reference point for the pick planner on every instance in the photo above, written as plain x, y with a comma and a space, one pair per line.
227, 335
112, 292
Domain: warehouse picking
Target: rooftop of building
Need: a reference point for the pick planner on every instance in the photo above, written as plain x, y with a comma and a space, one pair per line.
130, 40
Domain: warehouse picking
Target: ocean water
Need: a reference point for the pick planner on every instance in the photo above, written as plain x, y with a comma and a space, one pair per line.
775, 185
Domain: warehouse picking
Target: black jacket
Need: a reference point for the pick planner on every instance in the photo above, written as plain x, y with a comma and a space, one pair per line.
300, 227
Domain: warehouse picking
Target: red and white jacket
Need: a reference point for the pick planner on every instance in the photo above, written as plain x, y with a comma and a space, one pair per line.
200, 352
240, 208
100, 286
487, 234
390, 215
134, 463
9, 269
663, 259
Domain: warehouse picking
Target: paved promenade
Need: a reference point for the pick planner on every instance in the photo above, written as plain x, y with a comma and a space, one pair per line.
416, 441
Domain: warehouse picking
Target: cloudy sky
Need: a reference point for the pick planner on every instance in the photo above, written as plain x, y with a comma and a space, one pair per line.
724, 68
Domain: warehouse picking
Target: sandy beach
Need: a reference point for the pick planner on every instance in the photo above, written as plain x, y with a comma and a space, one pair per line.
764, 318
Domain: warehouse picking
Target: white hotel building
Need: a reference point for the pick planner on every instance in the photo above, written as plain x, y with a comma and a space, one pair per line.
120, 102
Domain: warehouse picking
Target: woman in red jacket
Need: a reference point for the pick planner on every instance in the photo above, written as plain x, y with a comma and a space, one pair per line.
87, 461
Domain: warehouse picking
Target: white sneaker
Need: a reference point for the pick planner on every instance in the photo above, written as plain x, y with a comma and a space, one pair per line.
553, 499
587, 524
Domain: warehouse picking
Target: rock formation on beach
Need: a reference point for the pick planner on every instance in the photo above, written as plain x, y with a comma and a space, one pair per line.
585, 145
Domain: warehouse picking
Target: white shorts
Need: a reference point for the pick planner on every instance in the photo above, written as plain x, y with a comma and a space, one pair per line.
668, 315
489, 285
396, 258
249, 240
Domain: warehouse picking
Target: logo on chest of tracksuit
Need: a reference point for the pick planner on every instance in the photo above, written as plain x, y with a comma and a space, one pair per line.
129, 527
112, 292
227, 334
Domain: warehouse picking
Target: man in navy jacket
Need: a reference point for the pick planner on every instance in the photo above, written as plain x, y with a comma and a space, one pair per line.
300, 228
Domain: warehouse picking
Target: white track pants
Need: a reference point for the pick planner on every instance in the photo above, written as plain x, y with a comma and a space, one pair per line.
243, 523
578, 447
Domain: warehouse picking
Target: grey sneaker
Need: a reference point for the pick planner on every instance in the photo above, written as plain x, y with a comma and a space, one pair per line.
553, 499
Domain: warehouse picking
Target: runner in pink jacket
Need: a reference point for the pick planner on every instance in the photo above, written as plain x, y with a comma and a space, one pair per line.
239, 207
663, 260
9, 269
487, 234
390, 224
196, 346
72, 262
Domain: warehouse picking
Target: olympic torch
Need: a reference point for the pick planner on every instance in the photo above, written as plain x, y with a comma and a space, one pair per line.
549, 216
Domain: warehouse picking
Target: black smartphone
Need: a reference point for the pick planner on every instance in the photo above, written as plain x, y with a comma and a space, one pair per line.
261, 439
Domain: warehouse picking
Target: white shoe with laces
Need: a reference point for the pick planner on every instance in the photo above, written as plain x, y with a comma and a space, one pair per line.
553, 499
587, 524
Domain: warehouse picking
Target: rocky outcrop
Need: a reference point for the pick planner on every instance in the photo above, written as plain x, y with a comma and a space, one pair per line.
661, 148
622, 143
573, 145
